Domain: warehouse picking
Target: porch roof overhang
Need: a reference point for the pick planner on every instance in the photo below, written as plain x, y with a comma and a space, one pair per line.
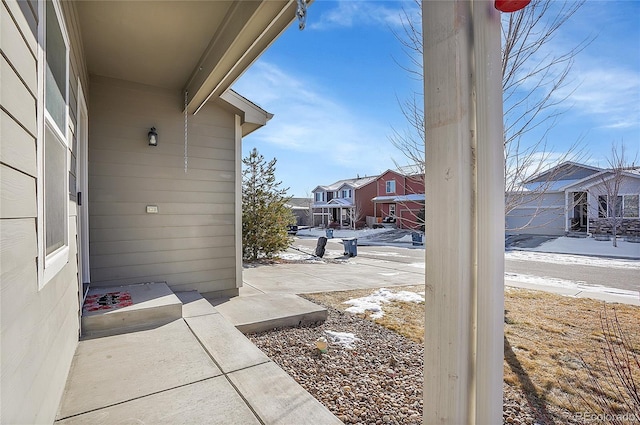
414, 197
253, 117
334, 203
339, 203
198, 46
596, 179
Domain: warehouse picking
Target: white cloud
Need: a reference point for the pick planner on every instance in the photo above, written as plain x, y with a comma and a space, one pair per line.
600, 86
349, 13
309, 121
612, 95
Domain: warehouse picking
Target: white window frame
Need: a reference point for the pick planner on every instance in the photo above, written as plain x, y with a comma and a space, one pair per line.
623, 200
390, 186
55, 261
392, 210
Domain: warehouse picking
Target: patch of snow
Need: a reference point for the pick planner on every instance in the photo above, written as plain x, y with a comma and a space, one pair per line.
299, 257
346, 339
590, 246
405, 238
568, 259
569, 284
417, 265
373, 303
386, 254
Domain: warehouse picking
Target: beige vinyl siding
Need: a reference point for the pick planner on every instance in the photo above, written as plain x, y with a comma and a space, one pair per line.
190, 243
39, 328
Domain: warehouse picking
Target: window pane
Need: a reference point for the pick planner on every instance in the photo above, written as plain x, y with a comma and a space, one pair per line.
602, 206
618, 208
55, 160
631, 207
56, 72
391, 186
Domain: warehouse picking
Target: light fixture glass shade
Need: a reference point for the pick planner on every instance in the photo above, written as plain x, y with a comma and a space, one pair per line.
153, 137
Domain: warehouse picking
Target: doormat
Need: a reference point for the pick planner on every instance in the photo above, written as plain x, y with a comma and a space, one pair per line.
108, 301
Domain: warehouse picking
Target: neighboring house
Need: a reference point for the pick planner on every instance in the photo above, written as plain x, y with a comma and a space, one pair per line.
572, 197
301, 209
399, 197
345, 202
85, 198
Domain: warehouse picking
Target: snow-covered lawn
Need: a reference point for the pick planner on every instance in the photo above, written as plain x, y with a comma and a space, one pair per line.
373, 303
590, 246
568, 284
574, 260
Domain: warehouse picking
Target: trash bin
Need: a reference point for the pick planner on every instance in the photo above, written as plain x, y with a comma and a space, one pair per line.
322, 242
416, 238
350, 247
329, 233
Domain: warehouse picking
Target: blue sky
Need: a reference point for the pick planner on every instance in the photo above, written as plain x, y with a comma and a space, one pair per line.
334, 90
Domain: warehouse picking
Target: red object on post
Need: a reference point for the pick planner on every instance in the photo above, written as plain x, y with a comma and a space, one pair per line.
511, 5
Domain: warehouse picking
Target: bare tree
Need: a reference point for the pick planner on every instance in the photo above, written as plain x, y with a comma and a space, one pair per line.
356, 214
535, 80
610, 203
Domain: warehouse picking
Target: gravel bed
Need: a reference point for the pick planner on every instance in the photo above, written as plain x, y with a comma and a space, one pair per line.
379, 380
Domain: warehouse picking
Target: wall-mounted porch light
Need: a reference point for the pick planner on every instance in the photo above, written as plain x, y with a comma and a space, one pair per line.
153, 137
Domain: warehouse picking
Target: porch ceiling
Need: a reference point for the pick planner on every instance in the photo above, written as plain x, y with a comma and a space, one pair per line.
200, 45
154, 43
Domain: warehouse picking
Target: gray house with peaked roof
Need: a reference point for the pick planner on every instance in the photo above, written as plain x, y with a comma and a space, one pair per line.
573, 198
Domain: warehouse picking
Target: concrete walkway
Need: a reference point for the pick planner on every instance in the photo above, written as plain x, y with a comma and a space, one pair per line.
194, 370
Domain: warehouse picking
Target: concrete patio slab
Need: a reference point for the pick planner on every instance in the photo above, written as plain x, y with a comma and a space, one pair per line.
108, 310
193, 304
115, 369
226, 344
210, 401
279, 399
257, 313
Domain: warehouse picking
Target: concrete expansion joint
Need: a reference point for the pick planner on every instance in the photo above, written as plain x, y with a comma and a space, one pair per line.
226, 374
134, 398
244, 398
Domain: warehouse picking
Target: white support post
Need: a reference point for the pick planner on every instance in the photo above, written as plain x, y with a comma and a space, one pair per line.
464, 223
490, 220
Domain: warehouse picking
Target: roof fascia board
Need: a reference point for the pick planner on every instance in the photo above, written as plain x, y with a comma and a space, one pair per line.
249, 29
251, 115
599, 179
581, 182
566, 163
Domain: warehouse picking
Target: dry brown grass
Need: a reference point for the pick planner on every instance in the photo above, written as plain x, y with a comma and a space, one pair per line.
405, 318
546, 339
